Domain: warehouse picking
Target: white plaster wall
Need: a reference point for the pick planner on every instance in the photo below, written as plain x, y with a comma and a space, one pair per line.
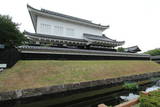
78, 28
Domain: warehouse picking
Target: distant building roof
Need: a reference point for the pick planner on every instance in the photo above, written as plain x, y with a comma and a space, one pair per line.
43, 12
132, 49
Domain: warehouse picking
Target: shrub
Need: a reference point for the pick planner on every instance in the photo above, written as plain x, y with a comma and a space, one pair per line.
150, 100
130, 86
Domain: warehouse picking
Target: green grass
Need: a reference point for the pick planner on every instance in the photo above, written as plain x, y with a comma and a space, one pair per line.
40, 73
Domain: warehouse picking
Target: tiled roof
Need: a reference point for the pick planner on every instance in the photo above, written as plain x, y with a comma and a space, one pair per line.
56, 50
54, 37
97, 37
63, 15
66, 16
87, 38
132, 49
100, 38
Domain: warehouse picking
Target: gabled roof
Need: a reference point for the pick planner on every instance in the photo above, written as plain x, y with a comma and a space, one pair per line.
43, 12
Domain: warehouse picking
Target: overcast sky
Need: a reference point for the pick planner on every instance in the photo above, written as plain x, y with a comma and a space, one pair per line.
135, 21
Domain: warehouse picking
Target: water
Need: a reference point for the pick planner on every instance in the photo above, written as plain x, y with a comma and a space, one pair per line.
132, 96
153, 88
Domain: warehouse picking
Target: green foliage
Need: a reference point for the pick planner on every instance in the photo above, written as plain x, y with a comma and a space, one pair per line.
153, 52
120, 49
130, 86
10, 35
150, 100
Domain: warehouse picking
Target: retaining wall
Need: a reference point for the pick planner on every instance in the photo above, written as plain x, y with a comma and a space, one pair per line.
26, 93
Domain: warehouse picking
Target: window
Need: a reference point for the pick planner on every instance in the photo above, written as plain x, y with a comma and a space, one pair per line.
58, 30
46, 28
69, 31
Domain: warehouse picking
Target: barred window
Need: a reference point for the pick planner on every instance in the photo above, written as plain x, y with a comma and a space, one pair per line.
58, 30
46, 28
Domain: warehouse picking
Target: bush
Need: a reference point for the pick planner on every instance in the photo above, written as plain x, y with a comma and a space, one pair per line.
130, 86
150, 100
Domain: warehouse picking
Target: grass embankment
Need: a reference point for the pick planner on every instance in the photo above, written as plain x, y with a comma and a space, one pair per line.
33, 74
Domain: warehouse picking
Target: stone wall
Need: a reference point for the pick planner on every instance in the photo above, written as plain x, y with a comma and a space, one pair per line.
26, 93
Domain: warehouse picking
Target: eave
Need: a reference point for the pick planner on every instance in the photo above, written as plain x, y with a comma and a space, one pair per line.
86, 41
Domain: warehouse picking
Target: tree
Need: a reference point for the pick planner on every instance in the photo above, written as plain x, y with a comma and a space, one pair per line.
10, 35
120, 49
153, 52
